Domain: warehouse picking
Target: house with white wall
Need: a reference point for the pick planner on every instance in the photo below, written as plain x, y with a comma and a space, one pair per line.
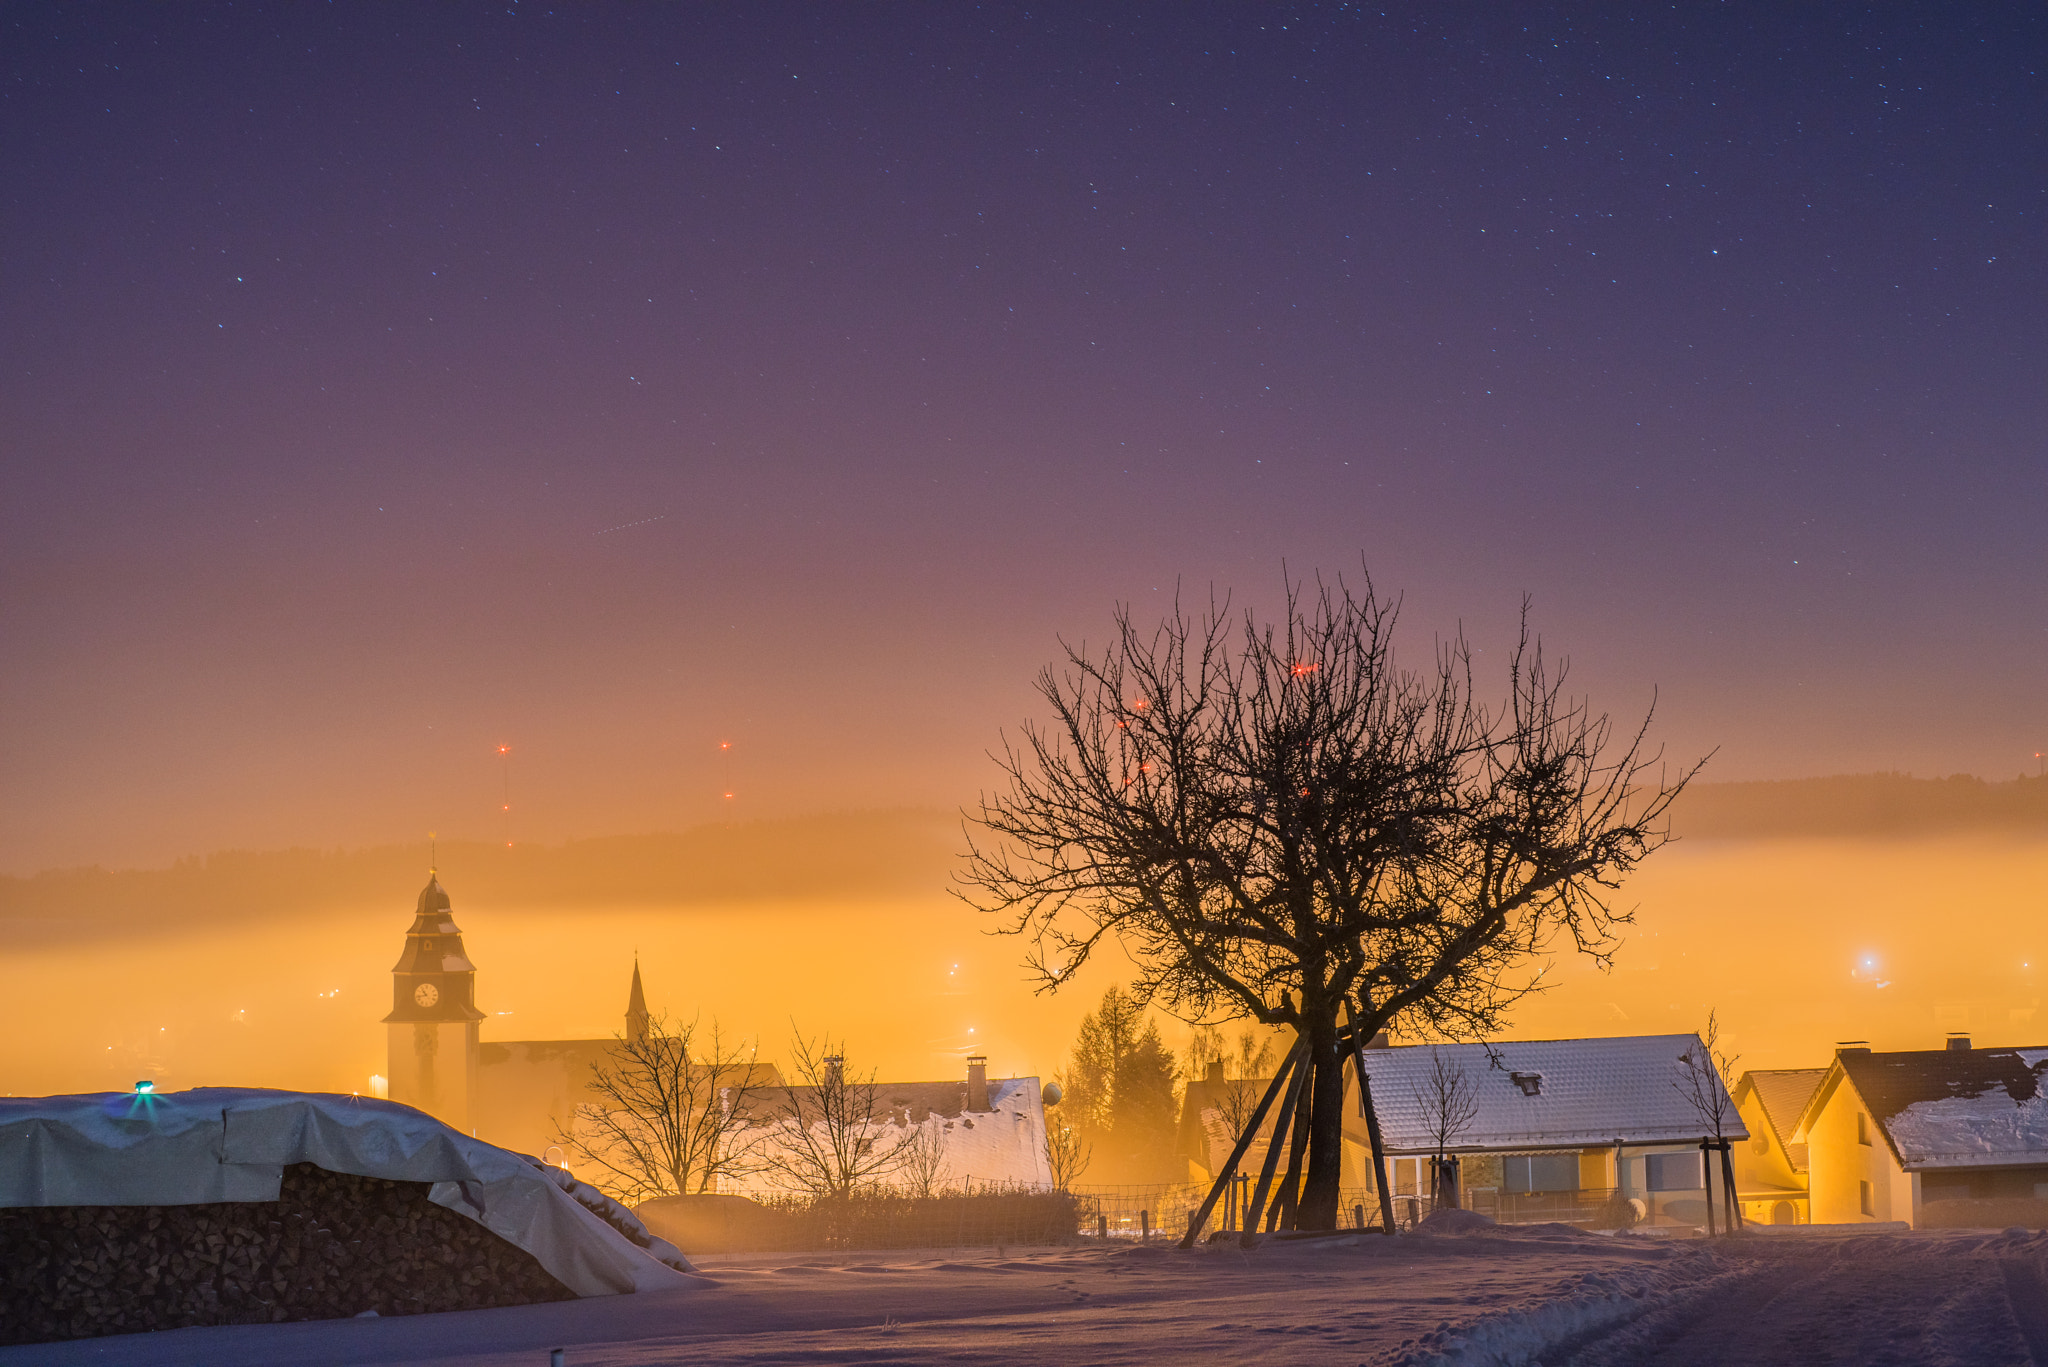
1560, 1127
985, 1131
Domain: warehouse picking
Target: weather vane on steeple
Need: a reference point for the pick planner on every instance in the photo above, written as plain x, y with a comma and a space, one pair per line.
433, 854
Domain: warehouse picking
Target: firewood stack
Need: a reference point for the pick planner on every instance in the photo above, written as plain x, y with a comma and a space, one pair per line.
331, 1246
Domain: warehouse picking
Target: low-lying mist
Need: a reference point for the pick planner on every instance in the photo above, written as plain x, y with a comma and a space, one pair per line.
273, 969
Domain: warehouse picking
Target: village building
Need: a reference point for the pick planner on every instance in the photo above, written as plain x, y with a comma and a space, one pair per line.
1559, 1129
520, 1094
1935, 1137
988, 1132
517, 1094
1771, 1168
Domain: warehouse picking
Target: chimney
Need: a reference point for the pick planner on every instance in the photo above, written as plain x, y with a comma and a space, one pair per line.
1852, 1046
1215, 1074
977, 1082
1959, 1041
835, 1070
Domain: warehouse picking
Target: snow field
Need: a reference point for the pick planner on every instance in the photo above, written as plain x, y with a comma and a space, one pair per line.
1544, 1294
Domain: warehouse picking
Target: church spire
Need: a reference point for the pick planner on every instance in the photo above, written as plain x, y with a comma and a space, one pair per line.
636, 1008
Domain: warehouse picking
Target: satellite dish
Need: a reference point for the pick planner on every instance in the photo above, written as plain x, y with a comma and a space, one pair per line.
1052, 1094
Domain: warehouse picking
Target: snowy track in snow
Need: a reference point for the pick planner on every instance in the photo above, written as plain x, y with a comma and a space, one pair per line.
1495, 1298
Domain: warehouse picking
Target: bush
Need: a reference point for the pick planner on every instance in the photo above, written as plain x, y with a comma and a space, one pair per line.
878, 1218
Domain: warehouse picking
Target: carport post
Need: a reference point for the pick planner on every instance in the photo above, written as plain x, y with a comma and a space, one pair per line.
1707, 1181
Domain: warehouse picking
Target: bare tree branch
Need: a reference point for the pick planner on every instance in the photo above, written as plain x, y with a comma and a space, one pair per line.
827, 1140
673, 1117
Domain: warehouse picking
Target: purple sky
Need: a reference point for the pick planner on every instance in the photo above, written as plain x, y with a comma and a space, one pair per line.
386, 383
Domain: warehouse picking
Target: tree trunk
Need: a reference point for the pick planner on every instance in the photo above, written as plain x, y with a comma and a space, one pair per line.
1320, 1195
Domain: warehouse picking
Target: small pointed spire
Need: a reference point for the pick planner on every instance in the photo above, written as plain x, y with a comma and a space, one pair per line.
636, 1008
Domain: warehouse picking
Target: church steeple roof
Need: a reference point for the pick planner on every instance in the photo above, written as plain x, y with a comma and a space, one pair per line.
636, 1008
433, 978
432, 897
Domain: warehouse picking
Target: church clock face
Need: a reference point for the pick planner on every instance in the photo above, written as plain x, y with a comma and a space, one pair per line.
426, 994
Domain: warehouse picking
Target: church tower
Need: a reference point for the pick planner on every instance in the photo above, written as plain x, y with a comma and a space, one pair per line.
431, 1033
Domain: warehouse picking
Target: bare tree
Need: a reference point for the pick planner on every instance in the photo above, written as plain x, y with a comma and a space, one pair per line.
827, 1139
1707, 1083
674, 1116
1067, 1153
1445, 1097
1278, 822
1708, 1079
924, 1157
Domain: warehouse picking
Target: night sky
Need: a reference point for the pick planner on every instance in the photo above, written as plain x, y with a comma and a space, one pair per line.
385, 384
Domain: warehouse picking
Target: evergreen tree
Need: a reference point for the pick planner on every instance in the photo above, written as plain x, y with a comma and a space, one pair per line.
1120, 1085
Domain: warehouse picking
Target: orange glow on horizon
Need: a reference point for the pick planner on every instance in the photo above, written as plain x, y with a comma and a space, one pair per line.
1768, 933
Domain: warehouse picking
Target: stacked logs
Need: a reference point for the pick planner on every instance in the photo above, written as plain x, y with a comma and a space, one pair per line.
331, 1246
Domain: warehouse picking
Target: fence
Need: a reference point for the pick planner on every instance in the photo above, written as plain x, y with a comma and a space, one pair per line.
999, 1216
1164, 1209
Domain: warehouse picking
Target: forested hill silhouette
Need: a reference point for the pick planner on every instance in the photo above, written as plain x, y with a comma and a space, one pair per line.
837, 857
849, 856
1868, 805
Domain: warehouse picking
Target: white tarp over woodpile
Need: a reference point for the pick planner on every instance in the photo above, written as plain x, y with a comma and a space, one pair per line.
233, 1144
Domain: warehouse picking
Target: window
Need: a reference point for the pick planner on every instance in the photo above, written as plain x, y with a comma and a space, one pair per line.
1868, 1208
1862, 1129
1674, 1172
1406, 1176
1539, 1172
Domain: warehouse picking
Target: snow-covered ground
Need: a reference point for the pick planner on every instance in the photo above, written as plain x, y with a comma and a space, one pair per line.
1544, 1294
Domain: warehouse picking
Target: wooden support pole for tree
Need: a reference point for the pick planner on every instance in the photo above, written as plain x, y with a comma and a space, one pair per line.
1266, 1169
1372, 1131
1297, 1146
1244, 1143
1734, 1207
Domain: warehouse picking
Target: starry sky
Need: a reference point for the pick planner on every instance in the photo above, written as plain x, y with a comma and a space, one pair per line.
387, 384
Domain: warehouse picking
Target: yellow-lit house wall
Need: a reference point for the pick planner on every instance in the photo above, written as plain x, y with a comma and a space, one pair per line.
1854, 1176
1772, 1190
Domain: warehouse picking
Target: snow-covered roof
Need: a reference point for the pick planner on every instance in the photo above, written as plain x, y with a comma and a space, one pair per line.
233, 1144
1952, 1108
1004, 1144
1586, 1092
